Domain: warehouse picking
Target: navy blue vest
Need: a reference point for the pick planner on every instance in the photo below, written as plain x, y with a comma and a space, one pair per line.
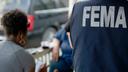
99, 33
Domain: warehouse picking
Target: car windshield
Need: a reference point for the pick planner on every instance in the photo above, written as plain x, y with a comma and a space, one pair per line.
6, 5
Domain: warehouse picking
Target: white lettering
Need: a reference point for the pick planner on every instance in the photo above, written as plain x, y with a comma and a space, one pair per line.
85, 15
121, 19
94, 16
101, 16
107, 19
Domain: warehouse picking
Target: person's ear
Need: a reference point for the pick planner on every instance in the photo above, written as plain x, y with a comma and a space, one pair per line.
21, 38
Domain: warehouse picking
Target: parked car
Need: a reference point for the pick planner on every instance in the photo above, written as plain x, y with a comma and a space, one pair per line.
45, 17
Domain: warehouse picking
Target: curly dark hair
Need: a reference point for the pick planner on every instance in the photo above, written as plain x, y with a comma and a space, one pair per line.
14, 21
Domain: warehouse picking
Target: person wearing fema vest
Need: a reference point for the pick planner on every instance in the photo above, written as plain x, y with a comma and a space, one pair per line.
98, 32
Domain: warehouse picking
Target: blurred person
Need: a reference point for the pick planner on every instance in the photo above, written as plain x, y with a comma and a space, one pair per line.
61, 63
13, 57
99, 35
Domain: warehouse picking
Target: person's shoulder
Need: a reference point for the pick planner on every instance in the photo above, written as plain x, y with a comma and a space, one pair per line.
25, 59
20, 60
9, 47
14, 56
21, 53
85, 1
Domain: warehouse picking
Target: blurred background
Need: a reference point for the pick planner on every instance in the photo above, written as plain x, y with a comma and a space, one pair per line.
45, 17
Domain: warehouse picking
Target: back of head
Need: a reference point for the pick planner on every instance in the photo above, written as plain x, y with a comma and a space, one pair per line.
14, 21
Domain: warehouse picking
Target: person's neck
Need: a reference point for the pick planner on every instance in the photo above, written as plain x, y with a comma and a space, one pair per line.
13, 39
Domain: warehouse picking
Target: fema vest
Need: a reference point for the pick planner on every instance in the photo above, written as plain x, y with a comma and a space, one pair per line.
99, 33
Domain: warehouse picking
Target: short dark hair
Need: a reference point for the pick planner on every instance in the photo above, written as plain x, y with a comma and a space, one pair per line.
14, 21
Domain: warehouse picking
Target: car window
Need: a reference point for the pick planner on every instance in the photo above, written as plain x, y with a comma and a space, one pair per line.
49, 4
44, 4
6, 5
23, 5
61, 3
2, 5
38, 5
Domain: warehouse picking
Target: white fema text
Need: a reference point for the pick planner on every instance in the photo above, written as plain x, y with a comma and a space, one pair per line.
104, 16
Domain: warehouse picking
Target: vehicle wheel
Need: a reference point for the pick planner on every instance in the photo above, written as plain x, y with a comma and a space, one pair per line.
49, 33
